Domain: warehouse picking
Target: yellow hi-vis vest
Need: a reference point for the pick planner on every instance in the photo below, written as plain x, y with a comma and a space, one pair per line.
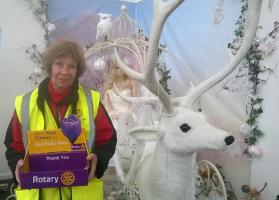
31, 118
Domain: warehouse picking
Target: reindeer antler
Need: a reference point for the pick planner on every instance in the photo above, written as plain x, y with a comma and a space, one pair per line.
146, 99
162, 9
254, 7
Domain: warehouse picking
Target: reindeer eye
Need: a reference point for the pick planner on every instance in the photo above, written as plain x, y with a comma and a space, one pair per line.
185, 128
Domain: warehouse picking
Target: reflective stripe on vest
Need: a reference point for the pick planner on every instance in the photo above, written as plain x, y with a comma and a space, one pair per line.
25, 117
88, 109
91, 137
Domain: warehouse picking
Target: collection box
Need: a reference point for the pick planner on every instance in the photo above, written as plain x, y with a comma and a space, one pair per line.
53, 161
52, 178
57, 161
49, 141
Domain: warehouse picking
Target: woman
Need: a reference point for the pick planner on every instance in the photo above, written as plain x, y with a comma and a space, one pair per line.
57, 97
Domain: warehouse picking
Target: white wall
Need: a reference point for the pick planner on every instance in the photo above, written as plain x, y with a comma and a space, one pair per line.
265, 169
19, 29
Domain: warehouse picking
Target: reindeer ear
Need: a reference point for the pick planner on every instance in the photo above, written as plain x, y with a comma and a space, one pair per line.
146, 133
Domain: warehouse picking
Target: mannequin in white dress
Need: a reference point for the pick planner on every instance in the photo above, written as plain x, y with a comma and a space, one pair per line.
122, 115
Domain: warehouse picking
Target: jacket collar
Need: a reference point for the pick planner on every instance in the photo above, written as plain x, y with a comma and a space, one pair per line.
43, 94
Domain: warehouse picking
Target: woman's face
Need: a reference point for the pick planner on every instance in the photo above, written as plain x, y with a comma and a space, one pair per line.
63, 73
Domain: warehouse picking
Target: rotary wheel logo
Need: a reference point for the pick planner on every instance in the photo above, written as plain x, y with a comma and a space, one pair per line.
68, 178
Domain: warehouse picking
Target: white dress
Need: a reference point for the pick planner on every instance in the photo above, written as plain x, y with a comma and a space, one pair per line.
125, 147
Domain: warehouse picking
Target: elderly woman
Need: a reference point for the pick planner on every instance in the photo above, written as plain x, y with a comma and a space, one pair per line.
57, 97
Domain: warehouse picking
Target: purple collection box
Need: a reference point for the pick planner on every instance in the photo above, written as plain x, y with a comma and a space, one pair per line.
51, 179
57, 161
50, 170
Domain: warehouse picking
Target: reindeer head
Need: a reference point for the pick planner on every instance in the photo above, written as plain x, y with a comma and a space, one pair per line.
188, 131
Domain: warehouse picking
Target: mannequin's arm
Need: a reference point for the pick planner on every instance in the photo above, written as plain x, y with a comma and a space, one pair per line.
112, 113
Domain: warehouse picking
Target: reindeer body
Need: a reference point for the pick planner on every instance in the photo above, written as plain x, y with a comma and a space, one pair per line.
171, 177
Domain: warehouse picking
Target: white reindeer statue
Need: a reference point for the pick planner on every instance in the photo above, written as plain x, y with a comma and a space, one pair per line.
169, 172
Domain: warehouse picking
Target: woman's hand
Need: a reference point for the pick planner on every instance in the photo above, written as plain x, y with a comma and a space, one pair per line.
19, 165
91, 165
